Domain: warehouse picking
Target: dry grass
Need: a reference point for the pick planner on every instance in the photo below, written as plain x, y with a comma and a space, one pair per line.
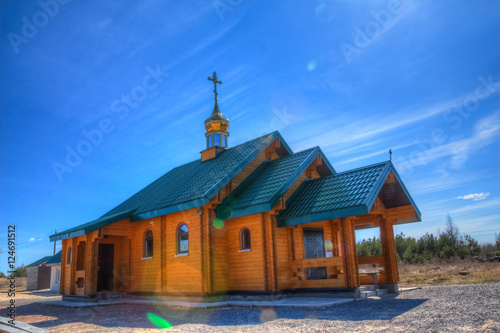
20, 284
445, 273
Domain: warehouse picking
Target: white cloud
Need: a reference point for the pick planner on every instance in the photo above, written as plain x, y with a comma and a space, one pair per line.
475, 196
32, 239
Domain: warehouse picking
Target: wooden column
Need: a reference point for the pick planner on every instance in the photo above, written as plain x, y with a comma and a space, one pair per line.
348, 241
208, 252
264, 251
64, 252
88, 265
389, 250
74, 255
202, 257
93, 266
163, 264
271, 239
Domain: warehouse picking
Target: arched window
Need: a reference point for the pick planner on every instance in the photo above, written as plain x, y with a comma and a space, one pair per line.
182, 239
148, 244
245, 240
69, 258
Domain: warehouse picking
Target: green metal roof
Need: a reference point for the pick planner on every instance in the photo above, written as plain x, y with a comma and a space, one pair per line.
187, 186
344, 194
55, 259
85, 228
267, 184
39, 261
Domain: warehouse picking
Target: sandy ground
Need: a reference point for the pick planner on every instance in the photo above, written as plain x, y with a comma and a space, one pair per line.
430, 309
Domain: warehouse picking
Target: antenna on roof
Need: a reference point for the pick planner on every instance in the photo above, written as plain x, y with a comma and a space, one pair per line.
390, 154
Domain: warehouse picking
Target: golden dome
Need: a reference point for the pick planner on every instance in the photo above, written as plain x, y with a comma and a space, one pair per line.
216, 122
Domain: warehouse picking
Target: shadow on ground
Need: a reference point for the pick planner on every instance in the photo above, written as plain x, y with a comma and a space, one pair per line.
135, 315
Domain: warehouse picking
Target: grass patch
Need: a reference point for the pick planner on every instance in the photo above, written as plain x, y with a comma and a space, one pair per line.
448, 272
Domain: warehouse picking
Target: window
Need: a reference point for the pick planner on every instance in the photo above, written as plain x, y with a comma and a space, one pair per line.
183, 239
245, 240
224, 141
217, 140
70, 256
58, 275
208, 141
148, 244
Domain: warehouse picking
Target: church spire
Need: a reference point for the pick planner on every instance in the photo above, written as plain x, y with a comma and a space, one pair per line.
216, 125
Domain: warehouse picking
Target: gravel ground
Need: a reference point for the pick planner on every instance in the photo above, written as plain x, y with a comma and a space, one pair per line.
430, 309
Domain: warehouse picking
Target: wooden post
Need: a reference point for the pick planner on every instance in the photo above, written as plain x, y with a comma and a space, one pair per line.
272, 250
162, 253
88, 265
264, 251
63, 265
389, 251
202, 257
350, 256
74, 255
93, 267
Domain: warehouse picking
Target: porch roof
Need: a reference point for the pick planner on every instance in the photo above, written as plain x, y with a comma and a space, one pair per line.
260, 191
91, 226
345, 194
39, 261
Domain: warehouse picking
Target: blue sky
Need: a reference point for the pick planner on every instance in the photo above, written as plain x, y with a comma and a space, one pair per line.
354, 77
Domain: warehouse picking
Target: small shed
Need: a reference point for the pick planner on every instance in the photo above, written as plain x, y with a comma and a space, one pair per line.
55, 271
38, 274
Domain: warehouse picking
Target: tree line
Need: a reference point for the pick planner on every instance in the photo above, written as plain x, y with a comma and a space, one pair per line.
448, 244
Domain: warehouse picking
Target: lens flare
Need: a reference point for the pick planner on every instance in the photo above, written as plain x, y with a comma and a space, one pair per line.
159, 321
218, 224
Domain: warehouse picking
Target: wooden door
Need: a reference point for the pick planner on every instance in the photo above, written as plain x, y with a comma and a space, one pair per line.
314, 247
105, 267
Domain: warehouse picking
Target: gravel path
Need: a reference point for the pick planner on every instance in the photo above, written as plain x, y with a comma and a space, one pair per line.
430, 309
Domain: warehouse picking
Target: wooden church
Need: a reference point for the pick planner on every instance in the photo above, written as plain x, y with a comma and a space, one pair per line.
256, 218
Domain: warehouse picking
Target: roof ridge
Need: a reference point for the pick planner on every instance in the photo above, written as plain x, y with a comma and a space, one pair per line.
353, 170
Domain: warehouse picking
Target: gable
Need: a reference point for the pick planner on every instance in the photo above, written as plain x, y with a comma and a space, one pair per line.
261, 190
345, 194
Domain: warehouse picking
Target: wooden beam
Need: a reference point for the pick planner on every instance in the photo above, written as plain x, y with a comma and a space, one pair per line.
367, 219
403, 212
389, 251
349, 252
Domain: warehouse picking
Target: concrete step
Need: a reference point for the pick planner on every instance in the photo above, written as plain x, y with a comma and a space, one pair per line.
366, 294
367, 288
381, 292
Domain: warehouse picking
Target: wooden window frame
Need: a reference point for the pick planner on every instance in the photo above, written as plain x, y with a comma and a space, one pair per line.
69, 258
178, 240
145, 247
242, 231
